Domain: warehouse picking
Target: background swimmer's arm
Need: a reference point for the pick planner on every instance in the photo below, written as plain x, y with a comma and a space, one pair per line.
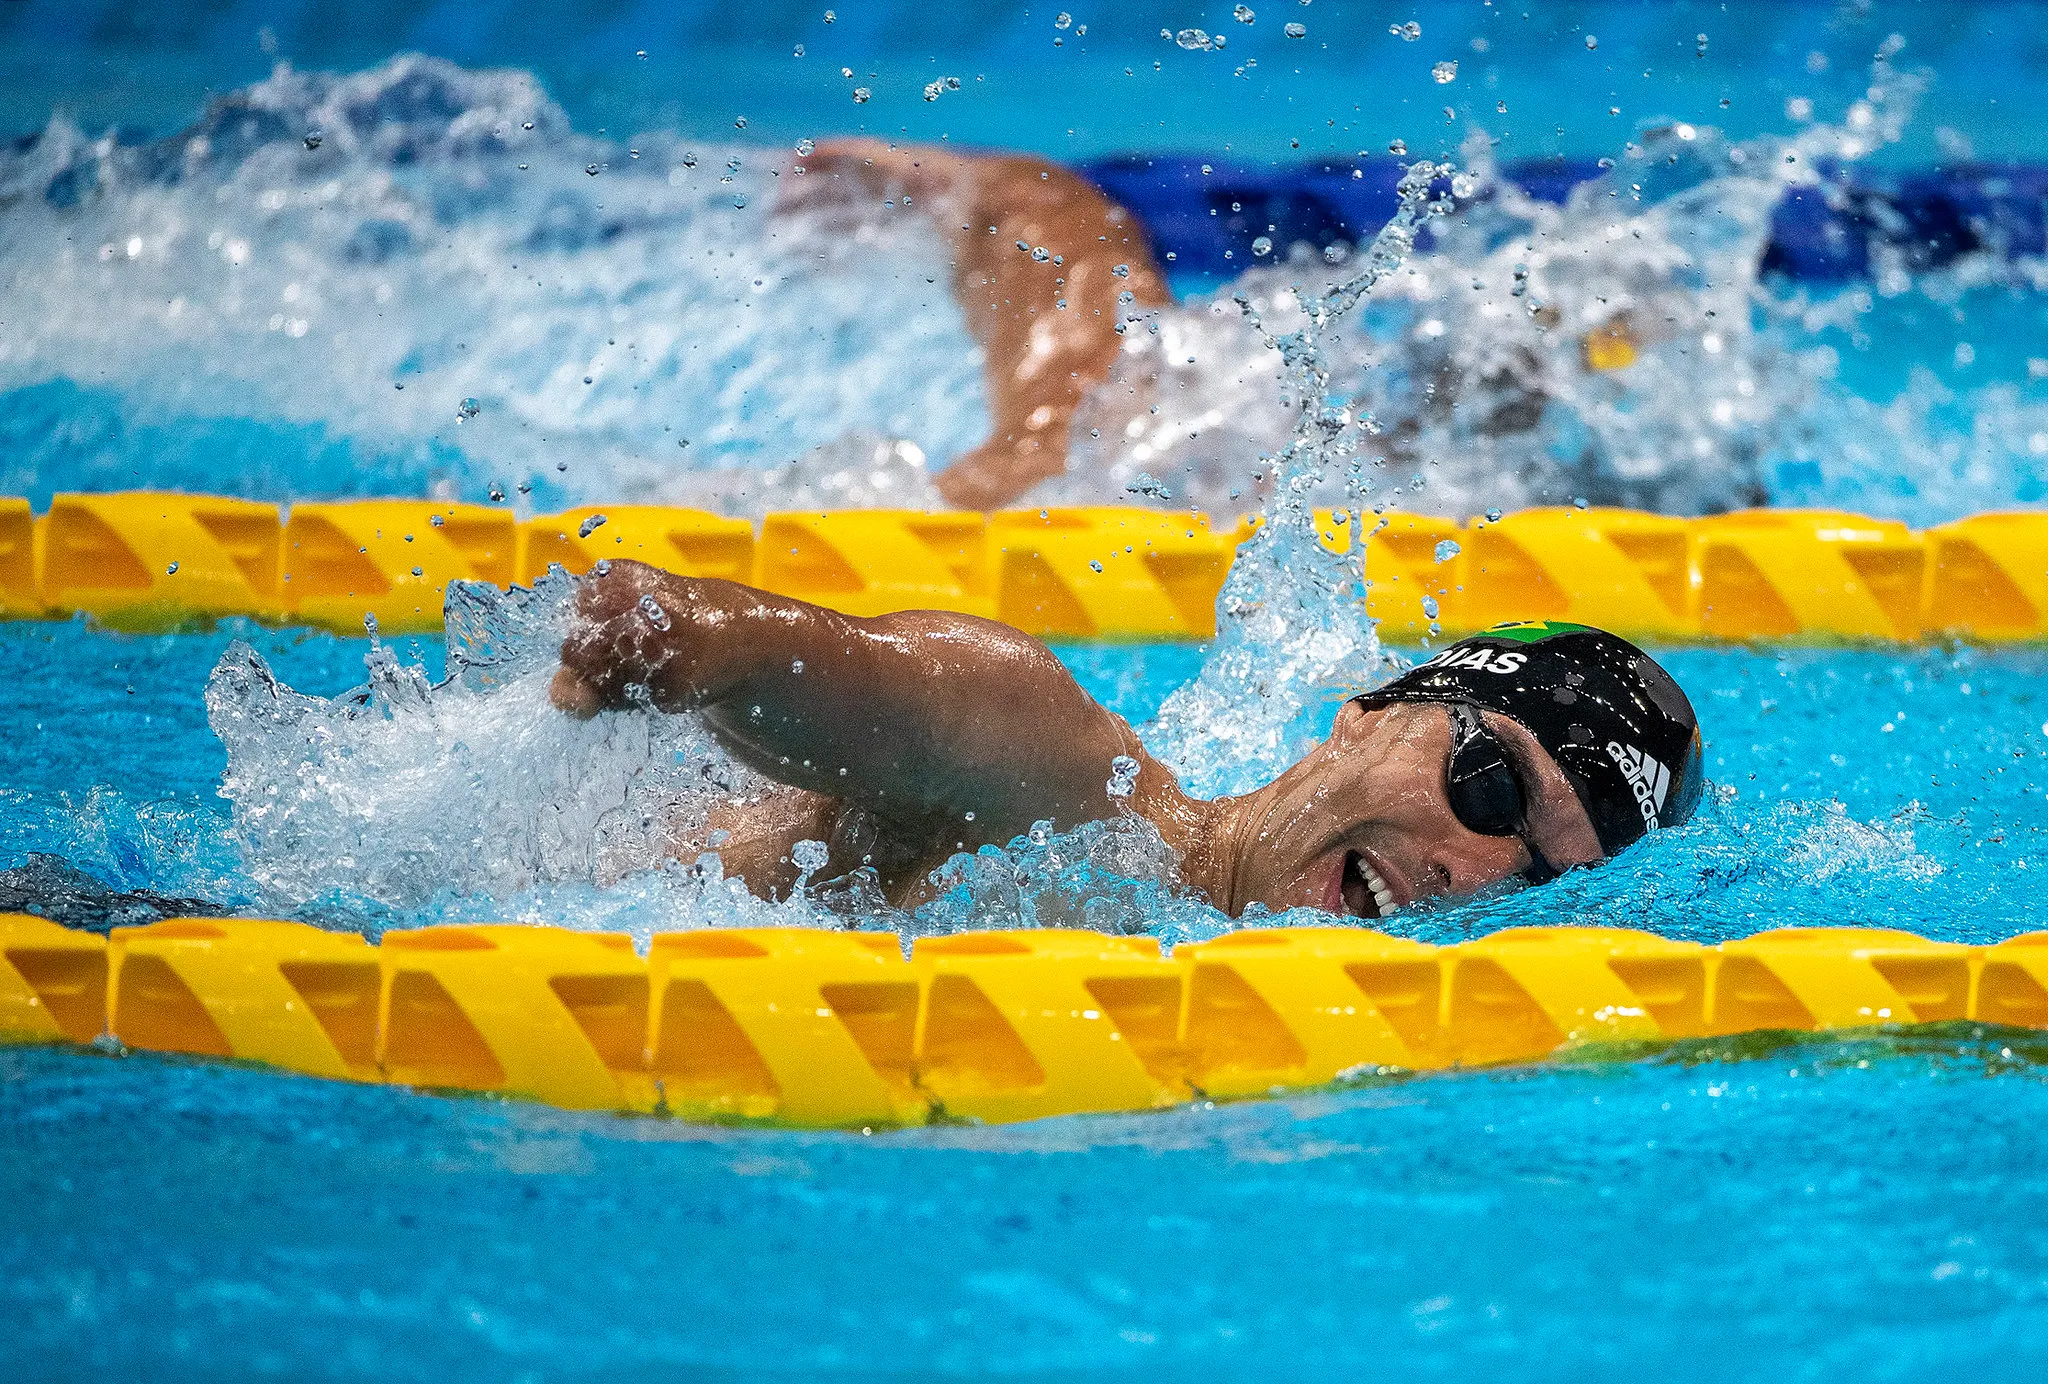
921, 717
1047, 327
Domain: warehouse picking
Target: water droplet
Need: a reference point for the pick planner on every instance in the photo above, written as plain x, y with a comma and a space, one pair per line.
1493, 516
1501, 107
1063, 21
799, 51
1123, 777
739, 122
1040, 253
809, 857
796, 665
433, 521
497, 493
172, 570
655, 615
1243, 14
739, 201
1398, 148
592, 170
1262, 245
1444, 73
1591, 42
1094, 565
805, 148
1446, 549
526, 124
1429, 607
861, 95
590, 526
467, 409
1194, 40
313, 138
932, 90
1122, 271
1409, 31
830, 16
1296, 31
417, 572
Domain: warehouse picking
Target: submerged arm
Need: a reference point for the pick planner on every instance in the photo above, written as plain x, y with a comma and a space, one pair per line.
921, 717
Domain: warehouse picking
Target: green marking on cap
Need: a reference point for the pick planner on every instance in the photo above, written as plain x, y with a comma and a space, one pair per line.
1529, 631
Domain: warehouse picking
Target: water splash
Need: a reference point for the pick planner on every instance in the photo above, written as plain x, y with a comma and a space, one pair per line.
1290, 622
1622, 348
443, 247
403, 791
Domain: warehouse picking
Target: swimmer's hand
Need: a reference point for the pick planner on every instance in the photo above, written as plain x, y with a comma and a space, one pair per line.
632, 641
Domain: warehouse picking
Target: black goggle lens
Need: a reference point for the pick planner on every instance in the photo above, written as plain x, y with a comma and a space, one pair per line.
1484, 792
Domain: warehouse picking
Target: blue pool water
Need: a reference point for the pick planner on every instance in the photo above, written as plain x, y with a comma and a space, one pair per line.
572, 218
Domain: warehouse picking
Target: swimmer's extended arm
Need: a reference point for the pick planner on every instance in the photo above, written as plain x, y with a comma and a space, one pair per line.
921, 717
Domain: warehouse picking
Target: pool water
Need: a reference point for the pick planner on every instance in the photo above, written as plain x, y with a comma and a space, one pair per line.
546, 264
1870, 1205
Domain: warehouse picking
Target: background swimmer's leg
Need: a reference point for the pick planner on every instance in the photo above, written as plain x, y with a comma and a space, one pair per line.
1047, 326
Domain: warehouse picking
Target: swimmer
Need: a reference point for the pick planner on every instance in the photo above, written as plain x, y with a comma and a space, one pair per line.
1523, 752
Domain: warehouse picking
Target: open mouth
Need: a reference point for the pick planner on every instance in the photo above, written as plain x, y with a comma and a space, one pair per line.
1366, 895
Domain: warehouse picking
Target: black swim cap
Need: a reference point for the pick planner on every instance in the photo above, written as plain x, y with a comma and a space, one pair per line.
1614, 721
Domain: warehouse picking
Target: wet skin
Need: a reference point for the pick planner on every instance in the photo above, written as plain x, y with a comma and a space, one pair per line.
1047, 329
902, 739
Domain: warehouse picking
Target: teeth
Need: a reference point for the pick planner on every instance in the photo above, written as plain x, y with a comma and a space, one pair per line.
1381, 895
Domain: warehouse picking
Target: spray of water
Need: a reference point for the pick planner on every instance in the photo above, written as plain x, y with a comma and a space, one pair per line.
1291, 625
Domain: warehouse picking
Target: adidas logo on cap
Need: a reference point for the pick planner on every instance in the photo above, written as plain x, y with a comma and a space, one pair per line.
1647, 777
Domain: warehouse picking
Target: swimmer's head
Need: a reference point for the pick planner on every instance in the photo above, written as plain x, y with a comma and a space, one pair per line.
1613, 720
1526, 751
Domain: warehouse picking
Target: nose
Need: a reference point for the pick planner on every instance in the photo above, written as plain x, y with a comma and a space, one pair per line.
1456, 859
1468, 862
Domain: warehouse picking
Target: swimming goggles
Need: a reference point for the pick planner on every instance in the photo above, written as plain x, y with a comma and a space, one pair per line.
1485, 792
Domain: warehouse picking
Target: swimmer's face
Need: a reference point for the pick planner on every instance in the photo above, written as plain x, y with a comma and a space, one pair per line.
1364, 824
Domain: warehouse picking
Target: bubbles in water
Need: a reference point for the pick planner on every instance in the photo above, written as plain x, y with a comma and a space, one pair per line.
1444, 73
1262, 245
1243, 14
1446, 549
1409, 31
1194, 40
1063, 20
861, 95
1295, 30
651, 610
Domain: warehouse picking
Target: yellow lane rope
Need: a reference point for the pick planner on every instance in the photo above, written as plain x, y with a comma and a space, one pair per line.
146, 560
808, 1027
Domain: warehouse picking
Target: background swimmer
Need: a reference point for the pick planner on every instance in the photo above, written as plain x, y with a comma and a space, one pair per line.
905, 738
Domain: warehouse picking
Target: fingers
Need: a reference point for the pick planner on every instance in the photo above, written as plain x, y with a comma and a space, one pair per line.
570, 693
620, 637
